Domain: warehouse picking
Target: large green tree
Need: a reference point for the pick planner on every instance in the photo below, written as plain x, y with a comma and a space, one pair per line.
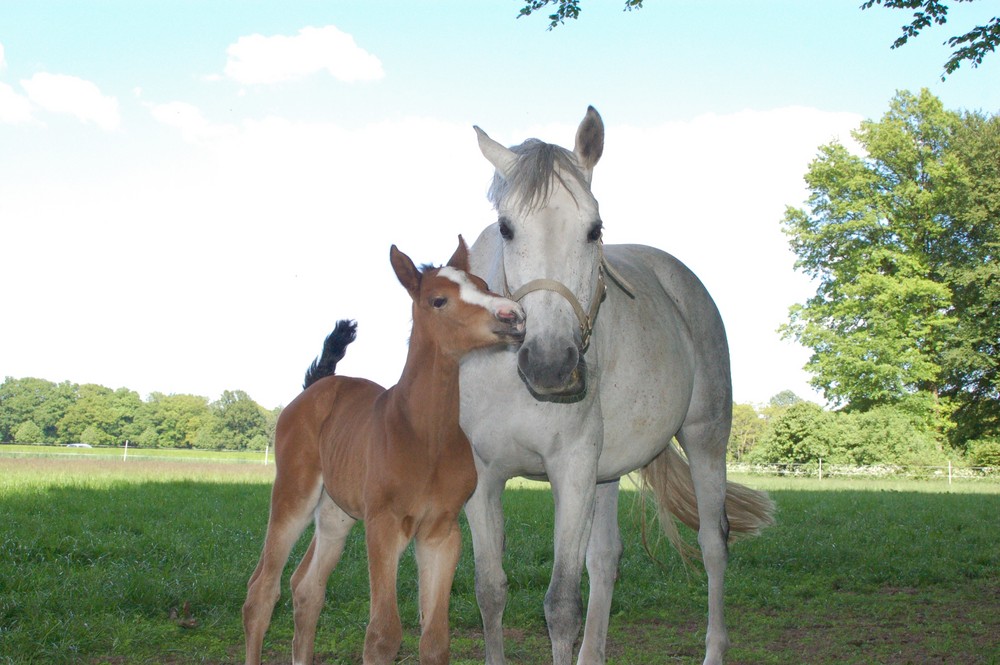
901, 241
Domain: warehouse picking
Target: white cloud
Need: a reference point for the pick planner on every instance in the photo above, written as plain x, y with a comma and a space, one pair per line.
14, 108
3, 61
256, 59
194, 127
58, 93
274, 229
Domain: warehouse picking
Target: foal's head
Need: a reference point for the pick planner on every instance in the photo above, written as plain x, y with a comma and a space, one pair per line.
454, 308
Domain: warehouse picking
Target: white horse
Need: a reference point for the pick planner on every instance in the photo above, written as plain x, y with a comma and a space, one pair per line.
624, 351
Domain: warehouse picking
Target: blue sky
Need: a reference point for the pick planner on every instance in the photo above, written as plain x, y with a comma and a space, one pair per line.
192, 193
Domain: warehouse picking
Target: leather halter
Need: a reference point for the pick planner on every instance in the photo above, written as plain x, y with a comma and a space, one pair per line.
586, 319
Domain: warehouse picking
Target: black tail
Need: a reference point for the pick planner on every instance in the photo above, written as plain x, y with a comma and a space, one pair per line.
333, 351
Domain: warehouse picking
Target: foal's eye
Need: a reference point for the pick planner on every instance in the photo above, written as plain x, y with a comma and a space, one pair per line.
506, 232
438, 302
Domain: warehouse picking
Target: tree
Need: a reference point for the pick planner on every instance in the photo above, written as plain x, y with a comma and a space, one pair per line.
37, 400
107, 416
172, 421
802, 434
746, 430
906, 283
28, 432
241, 424
972, 46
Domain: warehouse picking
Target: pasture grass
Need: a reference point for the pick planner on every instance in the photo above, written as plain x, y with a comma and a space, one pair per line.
105, 562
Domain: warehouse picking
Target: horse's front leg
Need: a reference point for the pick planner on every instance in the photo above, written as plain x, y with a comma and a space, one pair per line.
386, 541
437, 553
574, 480
603, 554
485, 514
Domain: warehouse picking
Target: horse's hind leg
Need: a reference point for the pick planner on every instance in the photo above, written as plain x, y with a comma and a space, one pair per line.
309, 580
293, 499
705, 446
603, 553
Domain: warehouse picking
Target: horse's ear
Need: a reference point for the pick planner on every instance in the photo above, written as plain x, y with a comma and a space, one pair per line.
406, 272
460, 259
590, 141
502, 158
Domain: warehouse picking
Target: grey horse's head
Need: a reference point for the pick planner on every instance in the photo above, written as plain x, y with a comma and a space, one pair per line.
550, 230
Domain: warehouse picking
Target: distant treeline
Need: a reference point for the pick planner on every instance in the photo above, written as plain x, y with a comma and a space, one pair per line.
39, 411
789, 430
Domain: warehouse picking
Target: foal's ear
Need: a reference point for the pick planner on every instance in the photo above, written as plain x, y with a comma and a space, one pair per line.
460, 259
406, 272
590, 141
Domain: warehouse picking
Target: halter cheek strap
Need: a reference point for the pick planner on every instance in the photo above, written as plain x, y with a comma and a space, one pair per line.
586, 319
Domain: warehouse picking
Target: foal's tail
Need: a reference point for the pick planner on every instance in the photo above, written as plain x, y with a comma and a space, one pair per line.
668, 477
333, 351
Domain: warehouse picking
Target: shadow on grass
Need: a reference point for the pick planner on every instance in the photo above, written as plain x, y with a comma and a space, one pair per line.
156, 572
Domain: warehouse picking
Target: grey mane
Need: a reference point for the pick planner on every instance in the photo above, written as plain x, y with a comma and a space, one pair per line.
530, 181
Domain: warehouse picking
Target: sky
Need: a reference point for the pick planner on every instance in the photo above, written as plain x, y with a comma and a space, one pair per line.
193, 193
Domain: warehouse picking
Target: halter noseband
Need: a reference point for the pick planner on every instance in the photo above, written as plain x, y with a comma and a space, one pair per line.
587, 320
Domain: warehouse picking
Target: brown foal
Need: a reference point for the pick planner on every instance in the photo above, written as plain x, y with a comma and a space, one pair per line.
347, 449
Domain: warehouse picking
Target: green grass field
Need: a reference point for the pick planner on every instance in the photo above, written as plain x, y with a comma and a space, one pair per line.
146, 561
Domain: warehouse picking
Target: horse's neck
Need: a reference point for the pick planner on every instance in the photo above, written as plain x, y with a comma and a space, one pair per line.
426, 395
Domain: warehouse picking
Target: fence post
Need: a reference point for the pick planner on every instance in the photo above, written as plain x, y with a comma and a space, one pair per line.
821, 468
125, 454
266, 446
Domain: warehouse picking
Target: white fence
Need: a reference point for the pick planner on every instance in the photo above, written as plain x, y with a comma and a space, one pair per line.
824, 470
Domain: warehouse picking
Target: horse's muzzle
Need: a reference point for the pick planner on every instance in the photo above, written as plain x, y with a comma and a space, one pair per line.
553, 377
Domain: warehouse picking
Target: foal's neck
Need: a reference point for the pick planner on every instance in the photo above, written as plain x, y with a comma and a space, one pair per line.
427, 392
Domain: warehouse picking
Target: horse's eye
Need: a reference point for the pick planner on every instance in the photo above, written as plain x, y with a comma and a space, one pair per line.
595, 233
438, 302
506, 232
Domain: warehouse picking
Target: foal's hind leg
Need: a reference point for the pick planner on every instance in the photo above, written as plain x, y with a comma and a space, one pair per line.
293, 499
309, 580
705, 446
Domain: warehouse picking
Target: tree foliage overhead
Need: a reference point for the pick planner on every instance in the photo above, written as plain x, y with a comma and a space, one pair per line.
903, 244
972, 46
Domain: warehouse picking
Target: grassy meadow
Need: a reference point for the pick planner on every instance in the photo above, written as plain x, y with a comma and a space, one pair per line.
146, 561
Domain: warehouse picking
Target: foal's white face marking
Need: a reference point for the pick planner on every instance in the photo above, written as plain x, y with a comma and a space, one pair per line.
468, 292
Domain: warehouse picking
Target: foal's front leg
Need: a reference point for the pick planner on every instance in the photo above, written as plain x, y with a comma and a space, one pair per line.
386, 541
437, 557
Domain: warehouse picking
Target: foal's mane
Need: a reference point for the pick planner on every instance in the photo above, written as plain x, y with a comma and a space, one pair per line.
530, 180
